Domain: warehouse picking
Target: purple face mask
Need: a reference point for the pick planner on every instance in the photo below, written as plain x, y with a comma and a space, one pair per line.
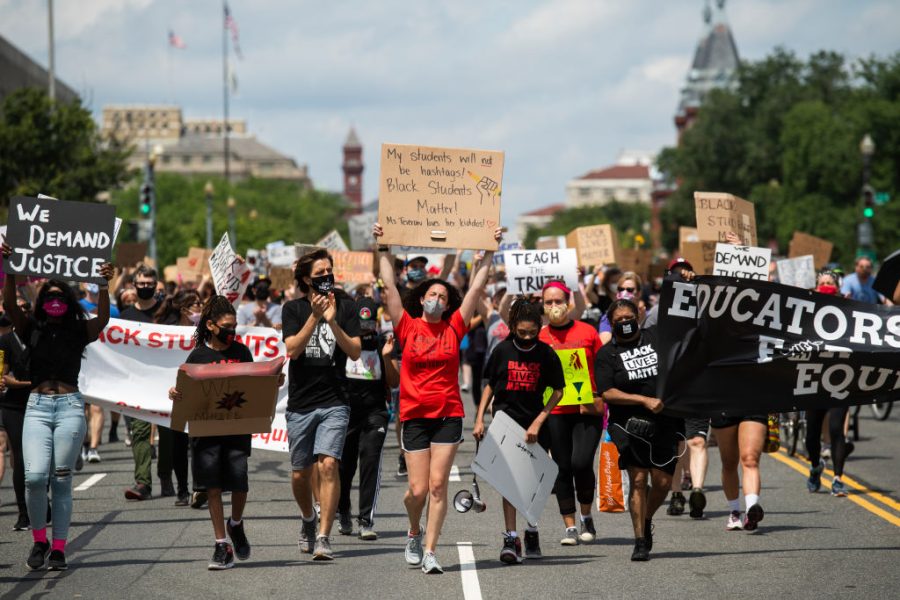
55, 307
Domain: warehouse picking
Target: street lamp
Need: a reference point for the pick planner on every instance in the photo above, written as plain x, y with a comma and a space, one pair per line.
232, 203
865, 234
209, 190
150, 184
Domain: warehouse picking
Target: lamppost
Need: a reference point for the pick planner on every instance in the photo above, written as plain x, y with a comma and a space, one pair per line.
209, 190
150, 182
232, 203
865, 234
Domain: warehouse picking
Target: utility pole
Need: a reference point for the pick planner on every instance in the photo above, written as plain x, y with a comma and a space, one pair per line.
51, 68
208, 190
225, 91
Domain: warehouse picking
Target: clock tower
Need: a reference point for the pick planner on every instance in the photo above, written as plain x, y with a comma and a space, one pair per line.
353, 169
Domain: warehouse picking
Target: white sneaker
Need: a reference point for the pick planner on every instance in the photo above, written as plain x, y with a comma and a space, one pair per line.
93, 456
430, 564
735, 521
414, 551
571, 537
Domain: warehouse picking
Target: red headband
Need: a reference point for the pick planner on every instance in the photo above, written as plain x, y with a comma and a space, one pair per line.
558, 285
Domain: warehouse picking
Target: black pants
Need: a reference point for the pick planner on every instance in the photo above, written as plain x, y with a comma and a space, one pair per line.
814, 420
173, 454
363, 445
574, 440
13, 421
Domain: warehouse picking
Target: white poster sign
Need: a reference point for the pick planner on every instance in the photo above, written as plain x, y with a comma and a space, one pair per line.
504, 247
746, 262
230, 275
799, 272
282, 256
333, 242
528, 270
361, 230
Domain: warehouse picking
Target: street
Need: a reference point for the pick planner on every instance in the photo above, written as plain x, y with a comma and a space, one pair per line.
809, 545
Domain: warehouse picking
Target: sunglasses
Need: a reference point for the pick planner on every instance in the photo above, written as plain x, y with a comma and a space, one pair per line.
630, 290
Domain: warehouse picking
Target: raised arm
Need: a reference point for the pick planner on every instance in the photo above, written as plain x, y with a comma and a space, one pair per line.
392, 300
478, 281
505, 304
99, 323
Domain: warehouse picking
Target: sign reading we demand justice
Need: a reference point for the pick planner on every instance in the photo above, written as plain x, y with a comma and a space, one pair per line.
440, 197
55, 238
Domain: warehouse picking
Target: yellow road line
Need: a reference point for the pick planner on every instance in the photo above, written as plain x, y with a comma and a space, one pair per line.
803, 470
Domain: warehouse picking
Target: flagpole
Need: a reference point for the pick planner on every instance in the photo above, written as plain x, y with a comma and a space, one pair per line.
225, 91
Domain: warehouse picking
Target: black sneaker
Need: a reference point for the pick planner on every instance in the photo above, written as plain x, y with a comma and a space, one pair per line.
138, 491
38, 556
239, 539
511, 553
183, 499
79, 461
754, 516
641, 551
166, 488
23, 523
345, 523
223, 557
153, 451
57, 561
697, 502
532, 544
401, 466
676, 505
648, 534
199, 500
588, 533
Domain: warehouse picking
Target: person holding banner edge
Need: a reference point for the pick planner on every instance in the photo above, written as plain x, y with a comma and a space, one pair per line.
429, 324
54, 424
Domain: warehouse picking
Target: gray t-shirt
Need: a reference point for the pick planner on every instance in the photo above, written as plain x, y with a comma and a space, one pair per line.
245, 314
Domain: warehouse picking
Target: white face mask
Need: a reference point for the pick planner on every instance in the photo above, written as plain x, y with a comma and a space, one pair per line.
433, 307
195, 318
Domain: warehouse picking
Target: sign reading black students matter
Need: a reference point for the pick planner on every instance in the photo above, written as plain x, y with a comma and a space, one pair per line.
730, 347
56, 238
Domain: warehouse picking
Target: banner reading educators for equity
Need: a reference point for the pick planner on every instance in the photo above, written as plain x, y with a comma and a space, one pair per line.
737, 347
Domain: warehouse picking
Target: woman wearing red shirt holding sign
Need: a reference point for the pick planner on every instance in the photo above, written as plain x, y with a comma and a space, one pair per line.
575, 429
430, 323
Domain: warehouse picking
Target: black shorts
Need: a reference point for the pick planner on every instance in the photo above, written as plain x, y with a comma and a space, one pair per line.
420, 434
220, 462
659, 452
695, 427
723, 422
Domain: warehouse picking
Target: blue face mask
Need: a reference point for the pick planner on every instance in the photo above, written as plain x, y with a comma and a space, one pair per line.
416, 275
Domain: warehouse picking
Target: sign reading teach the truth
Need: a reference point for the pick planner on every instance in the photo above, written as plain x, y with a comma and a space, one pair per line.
745, 262
55, 238
718, 213
528, 270
440, 197
230, 274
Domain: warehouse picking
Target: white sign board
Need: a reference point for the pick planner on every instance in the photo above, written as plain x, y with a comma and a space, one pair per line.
505, 246
746, 262
799, 272
333, 242
361, 230
528, 270
282, 256
522, 473
230, 275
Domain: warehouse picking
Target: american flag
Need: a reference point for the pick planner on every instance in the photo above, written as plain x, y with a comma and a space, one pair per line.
175, 41
231, 25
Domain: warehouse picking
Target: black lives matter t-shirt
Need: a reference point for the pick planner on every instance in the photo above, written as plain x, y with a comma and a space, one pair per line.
630, 368
317, 377
519, 377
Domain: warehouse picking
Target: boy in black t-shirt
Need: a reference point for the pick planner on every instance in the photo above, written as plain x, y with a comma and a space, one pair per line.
518, 371
219, 463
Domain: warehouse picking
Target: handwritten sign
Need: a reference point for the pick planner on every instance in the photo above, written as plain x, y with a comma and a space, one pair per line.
410, 251
803, 244
440, 197
528, 270
361, 230
198, 259
550, 242
701, 255
719, 213
799, 271
687, 234
596, 244
56, 238
229, 274
353, 267
745, 262
333, 242
281, 278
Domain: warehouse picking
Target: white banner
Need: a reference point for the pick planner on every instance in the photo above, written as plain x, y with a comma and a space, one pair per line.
800, 271
528, 270
746, 262
131, 367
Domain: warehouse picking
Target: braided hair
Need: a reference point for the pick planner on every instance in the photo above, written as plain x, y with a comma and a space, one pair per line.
214, 309
523, 311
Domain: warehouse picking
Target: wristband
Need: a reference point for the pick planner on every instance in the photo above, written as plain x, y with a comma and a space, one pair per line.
383, 248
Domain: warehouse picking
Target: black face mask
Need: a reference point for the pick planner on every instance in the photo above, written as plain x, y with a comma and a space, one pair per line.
226, 335
626, 329
525, 343
323, 284
145, 293
262, 294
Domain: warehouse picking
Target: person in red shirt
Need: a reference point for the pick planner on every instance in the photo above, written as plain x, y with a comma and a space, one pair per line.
429, 324
575, 429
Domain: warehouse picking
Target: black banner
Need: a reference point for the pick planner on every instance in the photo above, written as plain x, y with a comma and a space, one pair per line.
736, 346
55, 238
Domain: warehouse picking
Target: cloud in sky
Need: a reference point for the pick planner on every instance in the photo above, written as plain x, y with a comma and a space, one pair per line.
561, 85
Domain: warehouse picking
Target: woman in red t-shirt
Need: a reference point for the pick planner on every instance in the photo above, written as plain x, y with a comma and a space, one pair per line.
429, 324
575, 430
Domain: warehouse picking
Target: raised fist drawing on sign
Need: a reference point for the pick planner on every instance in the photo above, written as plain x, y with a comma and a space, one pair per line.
488, 189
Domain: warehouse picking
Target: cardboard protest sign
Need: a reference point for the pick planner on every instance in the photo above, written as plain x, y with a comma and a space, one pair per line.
198, 258
129, 254
333, 242
361, 230
419, 250
637, 260
701, 255
170, 273
281, 278
230, 399
353, 267
799, 271
440, 197
579, 387
528, 270
282, 256
803, 244
596, 244
550, 242
687, 234
719, 213
522, 473
745, 262
230, 275
56, 238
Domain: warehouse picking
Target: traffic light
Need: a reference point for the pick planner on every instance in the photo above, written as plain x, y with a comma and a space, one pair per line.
146, 199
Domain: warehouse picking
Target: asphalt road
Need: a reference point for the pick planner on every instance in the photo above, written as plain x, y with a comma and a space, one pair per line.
808, 546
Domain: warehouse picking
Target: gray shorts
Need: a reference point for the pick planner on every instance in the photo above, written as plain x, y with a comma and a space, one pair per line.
320, 431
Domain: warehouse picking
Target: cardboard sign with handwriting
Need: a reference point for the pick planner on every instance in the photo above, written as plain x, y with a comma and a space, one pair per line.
719, 213
803, 244
230, 275
440, 197
229, 399
687, 234
701, 255
528, 270
596, 244
353, 267
745, 262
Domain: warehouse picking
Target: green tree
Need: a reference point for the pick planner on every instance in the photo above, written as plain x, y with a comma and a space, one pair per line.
627, 218
54, 148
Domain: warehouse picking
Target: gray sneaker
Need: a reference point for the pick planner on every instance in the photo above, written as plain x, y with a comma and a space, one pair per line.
323, 549
571, 537
345, 524
307, 536
414, 552
430, 564
93, 456
366, 532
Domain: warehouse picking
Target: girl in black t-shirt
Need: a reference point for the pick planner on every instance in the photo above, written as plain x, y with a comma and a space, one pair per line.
518, 371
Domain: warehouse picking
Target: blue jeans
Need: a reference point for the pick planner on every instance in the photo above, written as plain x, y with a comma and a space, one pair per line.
51, 440
320, 431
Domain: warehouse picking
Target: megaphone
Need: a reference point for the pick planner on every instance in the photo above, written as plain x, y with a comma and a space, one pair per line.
464, 500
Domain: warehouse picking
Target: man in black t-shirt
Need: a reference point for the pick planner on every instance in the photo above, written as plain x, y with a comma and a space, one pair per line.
321, 330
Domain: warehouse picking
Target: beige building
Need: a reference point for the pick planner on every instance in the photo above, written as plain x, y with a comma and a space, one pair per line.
628, 180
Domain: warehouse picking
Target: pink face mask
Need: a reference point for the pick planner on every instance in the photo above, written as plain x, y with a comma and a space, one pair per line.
55, 307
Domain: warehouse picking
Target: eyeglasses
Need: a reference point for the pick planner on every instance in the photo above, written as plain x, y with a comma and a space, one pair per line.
630, 290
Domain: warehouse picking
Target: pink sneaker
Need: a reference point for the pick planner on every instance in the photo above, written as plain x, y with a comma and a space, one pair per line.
735, 521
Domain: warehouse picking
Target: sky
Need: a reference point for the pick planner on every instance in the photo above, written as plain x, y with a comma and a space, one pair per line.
561, 86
